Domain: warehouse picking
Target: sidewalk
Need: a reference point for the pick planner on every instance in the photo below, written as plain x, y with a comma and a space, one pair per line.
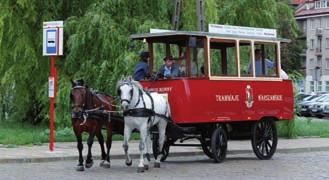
68, 151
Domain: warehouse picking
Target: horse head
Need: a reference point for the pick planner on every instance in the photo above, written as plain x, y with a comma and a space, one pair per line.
78, 97
126, 88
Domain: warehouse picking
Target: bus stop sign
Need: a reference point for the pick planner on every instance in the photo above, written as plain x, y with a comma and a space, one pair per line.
53, 38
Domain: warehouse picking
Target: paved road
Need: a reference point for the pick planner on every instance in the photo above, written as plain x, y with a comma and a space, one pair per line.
312, 165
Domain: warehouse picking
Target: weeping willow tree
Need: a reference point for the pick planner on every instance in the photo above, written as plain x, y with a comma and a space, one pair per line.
96, 49
96, 43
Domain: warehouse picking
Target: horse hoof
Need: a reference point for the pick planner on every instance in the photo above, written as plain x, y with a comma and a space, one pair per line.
106, 164
102, 163
157, 165
140, 169
146, 167
89, 164
129, 163
148, 157
80, 168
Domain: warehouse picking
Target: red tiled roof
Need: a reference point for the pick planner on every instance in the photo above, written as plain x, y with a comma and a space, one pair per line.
297, 2
305, 12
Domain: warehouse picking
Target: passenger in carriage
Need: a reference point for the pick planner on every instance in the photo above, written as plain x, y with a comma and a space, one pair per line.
258, 64
169, 69
141, 70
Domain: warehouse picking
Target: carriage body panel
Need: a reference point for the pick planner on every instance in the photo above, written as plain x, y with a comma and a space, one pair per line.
195, 100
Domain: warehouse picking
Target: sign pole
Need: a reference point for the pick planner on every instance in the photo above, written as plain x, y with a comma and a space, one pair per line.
52, 90
52, 46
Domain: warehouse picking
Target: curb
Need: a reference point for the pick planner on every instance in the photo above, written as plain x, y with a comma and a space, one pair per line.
173, 154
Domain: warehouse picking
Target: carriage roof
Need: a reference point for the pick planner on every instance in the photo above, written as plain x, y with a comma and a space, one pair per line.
171, 35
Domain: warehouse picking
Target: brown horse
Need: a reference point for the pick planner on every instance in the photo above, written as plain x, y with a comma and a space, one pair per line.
90, 113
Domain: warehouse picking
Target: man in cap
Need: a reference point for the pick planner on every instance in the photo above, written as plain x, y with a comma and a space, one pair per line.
141, 70
169, 69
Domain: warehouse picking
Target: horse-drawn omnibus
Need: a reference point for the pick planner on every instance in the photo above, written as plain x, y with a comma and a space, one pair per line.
223, 91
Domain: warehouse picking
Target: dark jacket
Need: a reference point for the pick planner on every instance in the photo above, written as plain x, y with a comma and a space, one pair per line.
141, 70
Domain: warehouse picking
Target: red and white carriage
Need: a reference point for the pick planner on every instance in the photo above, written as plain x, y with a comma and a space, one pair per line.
220, 95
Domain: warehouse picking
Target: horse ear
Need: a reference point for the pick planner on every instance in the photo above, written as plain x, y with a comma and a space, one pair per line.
72, 82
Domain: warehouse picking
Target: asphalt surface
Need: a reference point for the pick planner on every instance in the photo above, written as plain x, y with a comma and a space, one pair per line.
310, 165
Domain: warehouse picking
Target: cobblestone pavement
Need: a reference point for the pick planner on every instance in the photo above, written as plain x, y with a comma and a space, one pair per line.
311, 165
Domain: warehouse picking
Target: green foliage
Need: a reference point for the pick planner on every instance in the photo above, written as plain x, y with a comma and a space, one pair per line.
97, 44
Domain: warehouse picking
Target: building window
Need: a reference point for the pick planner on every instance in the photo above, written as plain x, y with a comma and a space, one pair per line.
319, 45
319, 61
317, 4
327, 42
323, 4
319, 89
327, 63
312, 44
312, 24
327, 86
327, 20
312, 86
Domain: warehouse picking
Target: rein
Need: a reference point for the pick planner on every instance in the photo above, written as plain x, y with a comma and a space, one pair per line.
87, 107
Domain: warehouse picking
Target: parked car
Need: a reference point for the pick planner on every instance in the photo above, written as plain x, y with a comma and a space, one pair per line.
305, 106
318, 107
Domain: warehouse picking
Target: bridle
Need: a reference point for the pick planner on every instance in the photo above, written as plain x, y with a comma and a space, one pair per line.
131, 93
83, 106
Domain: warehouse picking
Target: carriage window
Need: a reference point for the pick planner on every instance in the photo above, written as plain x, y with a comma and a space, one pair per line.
197, 56
245, 59
161, 50
266, 64
223, 60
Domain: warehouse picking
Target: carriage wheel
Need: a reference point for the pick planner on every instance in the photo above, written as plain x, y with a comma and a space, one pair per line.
264, 138
219, 145
155, 147
206, 146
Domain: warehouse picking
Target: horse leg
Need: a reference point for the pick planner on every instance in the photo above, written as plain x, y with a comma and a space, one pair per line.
100, 138
107, 162
90, 161
162, 133
147, 156
126, 137
80, 148
142, 143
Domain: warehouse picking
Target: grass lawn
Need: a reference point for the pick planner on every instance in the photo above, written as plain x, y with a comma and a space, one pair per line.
14, 133
305, 127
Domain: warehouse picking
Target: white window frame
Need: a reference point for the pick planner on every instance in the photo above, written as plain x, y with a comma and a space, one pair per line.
319, 84
312, 21
312, 89
317, 4
312, 44
327, 86
323, 4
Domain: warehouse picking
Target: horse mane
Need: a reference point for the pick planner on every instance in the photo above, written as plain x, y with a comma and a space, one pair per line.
129, 80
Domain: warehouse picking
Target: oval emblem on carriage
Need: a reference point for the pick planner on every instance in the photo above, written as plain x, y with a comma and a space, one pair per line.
249, 97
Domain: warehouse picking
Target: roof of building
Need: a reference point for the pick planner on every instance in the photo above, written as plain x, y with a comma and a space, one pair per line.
308, 12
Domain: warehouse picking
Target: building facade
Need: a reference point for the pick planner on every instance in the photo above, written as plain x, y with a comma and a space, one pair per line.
313, 19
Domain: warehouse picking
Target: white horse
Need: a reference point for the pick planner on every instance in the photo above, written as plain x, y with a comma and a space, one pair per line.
142, 110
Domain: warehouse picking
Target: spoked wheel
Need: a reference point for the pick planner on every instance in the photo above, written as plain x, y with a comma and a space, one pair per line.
155, 147
264, 138
206, 146
219, 145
